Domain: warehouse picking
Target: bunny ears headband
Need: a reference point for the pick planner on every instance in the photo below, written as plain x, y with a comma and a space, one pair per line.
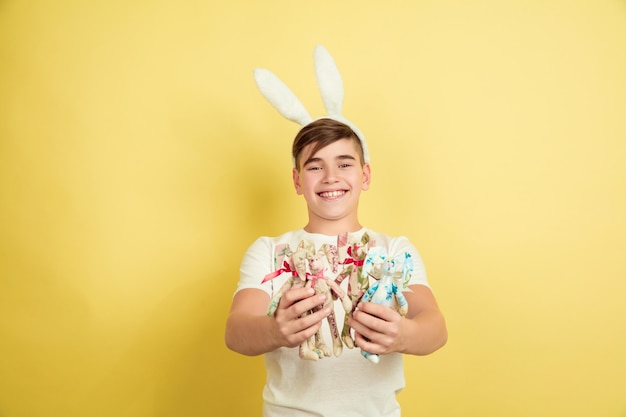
330, 86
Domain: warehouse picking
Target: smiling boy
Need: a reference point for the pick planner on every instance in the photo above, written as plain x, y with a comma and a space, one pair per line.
331, 169
331, 178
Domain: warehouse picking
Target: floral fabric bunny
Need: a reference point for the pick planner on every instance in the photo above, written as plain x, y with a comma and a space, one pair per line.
392, 275
308, 267
352, 257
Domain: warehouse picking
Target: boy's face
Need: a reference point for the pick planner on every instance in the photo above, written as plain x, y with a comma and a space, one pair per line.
331, 182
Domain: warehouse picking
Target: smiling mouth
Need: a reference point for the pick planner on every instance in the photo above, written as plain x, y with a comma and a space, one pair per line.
332, 194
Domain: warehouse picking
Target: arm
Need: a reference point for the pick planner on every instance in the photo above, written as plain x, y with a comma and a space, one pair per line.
251, 332
380, 329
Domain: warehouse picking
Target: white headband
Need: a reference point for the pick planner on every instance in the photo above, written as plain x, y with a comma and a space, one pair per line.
331, 89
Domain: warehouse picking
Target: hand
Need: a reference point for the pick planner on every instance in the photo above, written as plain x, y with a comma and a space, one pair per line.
378, 328
292, 325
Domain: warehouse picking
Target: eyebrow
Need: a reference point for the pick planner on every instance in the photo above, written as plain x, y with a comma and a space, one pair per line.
337, 158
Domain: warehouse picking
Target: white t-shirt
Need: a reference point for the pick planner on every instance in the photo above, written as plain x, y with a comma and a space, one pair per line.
344, 386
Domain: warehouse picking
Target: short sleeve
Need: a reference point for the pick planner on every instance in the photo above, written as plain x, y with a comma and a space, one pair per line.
257, 262
401, 245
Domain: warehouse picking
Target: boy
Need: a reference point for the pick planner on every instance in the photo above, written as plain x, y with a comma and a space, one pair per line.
330, 171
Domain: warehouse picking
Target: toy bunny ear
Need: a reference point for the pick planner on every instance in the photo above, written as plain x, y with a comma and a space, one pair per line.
374, 254
407, 270
329, 81
281, 97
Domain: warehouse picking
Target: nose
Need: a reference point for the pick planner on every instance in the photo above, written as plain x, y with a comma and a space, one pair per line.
330, 176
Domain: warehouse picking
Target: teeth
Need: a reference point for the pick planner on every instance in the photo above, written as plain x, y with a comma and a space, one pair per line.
332, 194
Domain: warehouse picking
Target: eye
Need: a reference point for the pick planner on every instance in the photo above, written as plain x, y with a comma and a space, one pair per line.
313, 168
345, 165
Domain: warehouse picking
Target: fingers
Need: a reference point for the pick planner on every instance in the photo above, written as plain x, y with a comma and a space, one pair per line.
298, 301
376, 327
375, 318
296, 317
378, 310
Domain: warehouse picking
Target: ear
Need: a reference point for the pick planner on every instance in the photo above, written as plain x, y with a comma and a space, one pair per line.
367, 177
296, 181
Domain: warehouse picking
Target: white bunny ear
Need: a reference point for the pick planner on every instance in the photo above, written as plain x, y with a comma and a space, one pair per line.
329, 81
330, 86
331, 89
281, 97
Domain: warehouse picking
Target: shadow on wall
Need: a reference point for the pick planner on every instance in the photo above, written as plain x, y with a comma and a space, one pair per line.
265, 190
177, 364
262, 195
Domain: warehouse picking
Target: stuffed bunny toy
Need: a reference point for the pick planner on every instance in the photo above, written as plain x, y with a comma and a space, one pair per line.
307, 267
351, 255
392, 275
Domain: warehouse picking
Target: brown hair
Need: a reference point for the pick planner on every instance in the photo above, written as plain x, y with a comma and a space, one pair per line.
321, 133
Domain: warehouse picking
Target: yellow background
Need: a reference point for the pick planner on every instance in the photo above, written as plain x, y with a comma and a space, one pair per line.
138, 161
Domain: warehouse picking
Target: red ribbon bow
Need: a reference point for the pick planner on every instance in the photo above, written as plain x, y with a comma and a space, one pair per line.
285, 268
313, 278
351, 260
